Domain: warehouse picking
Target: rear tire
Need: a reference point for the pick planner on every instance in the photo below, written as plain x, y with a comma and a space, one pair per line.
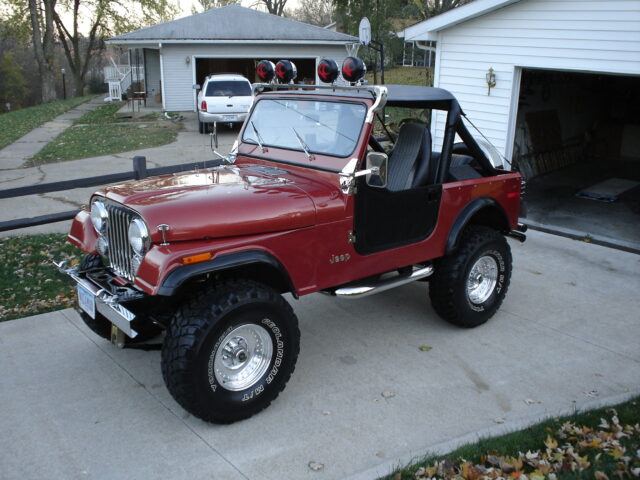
201, 127
230, 350
469, 286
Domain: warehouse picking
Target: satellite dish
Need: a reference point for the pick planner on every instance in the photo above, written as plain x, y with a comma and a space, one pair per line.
364, 31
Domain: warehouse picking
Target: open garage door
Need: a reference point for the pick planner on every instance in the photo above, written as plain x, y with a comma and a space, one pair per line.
247, 67
577, 143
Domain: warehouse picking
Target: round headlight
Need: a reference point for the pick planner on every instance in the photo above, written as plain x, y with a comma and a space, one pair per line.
139, 236
99, 216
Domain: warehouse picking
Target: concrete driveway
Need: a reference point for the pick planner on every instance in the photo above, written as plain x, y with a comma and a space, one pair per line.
567, 336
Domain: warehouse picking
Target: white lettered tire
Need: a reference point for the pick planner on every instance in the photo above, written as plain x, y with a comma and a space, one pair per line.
230, 350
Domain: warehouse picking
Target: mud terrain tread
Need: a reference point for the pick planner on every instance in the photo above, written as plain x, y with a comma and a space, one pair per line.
197, 314
446, 278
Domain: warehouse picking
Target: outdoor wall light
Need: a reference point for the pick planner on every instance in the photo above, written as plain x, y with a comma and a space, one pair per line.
187, 60
491, 80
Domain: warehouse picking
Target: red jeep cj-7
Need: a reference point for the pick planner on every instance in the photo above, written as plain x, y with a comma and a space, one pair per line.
308, 201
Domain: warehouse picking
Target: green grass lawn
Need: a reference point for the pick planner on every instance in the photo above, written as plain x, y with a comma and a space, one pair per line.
14, 125
29, 282
405, 76
100, 132
602, 444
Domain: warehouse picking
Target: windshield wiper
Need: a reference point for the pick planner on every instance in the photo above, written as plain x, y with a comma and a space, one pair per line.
304, 146
258, 137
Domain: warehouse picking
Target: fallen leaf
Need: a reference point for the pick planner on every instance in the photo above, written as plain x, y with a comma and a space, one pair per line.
551, 442
600, 475
498, 420
425, 348
387, 394
315, 466
530, 401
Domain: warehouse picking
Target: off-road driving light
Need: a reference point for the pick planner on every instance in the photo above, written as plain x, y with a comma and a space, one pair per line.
328, 70
286, 71
266, 70
99, 216
353, 69
139, 236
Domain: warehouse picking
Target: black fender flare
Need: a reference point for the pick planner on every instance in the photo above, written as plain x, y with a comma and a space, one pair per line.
464, 217
178, 276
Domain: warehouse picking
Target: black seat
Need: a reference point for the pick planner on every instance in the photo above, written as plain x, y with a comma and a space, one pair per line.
409, 162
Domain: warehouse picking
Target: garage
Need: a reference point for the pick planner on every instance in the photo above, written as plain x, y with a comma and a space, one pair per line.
247, 67
553, 85
229, 39
577, 142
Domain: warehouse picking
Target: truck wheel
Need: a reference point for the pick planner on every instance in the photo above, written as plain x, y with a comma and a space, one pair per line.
201, 127
468, 286
101, 326
230, 350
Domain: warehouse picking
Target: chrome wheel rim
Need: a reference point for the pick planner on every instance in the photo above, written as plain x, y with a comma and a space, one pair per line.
482, 279
243, 356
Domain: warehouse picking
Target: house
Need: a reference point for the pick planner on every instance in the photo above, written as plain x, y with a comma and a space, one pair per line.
555, 86
171, 57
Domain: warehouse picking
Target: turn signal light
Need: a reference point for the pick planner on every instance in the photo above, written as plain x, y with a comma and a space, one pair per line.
200, 257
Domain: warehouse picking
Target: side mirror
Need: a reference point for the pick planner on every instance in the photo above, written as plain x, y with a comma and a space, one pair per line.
377, 165
196, 86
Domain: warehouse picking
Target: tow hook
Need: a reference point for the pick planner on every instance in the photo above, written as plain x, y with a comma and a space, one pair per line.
118, 337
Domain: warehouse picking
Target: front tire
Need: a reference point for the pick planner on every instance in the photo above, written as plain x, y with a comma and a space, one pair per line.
230, 350
469, 286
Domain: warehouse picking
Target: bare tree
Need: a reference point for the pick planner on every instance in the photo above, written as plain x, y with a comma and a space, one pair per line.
41, 16
276, 7
205, 5
314, 12
431, 8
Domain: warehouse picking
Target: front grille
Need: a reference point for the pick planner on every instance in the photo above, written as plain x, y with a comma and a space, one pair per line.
120, 251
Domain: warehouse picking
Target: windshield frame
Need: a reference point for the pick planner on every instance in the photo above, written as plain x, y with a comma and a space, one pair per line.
300, 149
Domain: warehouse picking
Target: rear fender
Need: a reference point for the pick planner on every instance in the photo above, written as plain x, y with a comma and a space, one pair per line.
481, 211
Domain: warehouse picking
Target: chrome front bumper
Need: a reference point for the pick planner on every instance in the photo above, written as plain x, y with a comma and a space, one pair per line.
106, 304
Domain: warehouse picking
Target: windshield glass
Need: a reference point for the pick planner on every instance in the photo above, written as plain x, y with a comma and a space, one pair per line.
228, 88
327, 128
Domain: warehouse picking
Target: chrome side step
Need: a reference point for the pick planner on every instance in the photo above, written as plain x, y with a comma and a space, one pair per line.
369, 288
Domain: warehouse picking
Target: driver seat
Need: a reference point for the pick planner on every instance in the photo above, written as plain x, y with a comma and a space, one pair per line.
409, 160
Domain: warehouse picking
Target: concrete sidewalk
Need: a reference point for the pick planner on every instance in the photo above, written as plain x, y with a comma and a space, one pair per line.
190, 146
17, 153
567, 336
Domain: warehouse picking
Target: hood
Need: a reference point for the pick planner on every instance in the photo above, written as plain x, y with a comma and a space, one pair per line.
225, 201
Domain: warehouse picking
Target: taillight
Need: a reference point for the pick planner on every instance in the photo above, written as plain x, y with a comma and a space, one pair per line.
203, 106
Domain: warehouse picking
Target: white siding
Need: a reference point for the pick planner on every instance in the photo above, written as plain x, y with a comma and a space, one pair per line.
579, 35
179, 76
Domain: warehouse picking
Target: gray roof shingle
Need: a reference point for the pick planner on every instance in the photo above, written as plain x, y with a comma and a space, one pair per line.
234, 22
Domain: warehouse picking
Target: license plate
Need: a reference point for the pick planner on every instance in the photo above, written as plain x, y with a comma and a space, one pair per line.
229, 117
87, 301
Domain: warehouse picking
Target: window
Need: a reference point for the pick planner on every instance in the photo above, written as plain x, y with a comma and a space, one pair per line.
228, 88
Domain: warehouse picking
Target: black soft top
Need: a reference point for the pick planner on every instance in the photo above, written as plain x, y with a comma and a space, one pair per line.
419, 97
